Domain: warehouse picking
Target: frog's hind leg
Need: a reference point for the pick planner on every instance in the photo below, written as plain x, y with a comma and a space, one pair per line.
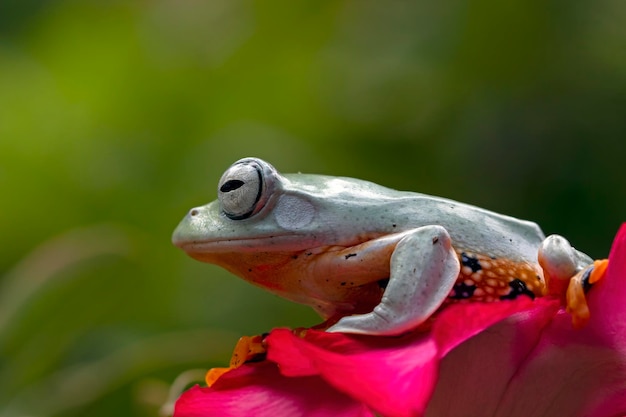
423, 270
569, 274
560, 262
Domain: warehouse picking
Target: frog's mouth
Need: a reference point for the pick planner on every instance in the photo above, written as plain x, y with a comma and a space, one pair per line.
276, 242
292, 242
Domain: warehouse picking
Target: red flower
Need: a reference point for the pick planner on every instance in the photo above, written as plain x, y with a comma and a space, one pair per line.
517, 358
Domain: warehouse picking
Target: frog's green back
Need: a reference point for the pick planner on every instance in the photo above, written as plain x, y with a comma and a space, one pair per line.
364, 207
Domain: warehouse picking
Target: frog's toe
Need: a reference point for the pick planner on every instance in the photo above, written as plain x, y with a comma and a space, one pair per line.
248, 349
370, 323
580, 283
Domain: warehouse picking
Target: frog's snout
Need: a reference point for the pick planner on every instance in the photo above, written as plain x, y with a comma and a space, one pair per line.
185, 230
177, 237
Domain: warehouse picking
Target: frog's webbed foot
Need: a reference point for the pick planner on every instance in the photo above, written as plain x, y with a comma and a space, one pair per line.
423, 270
576, 302
569, 274
248, 349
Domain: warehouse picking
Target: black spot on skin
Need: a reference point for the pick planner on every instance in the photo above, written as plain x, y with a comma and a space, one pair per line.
309, 253
382, 283
470, 262
294, 257
462, 291
435, 240
538, 277
586, 275
393, 225
518, 288
249, 269
343, 284
350, 255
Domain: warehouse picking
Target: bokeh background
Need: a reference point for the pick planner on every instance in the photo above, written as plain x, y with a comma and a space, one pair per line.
117, 117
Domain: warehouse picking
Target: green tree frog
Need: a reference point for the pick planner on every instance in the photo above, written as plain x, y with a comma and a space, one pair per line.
369, 259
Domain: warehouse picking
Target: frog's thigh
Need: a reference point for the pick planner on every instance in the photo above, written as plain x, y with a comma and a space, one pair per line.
423, 270
559, 260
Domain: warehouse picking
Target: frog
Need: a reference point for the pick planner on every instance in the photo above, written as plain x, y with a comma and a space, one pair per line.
369, 259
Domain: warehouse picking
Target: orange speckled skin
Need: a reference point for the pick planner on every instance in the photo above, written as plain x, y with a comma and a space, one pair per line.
345, 247
486, 279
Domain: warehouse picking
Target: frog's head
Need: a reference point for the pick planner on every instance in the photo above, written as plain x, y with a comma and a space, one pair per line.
259, 210
253, 213
262, 222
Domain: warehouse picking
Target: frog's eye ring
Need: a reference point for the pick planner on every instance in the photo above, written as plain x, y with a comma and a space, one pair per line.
240, 190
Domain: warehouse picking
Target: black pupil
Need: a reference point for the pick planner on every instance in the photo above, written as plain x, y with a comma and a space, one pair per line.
231, 185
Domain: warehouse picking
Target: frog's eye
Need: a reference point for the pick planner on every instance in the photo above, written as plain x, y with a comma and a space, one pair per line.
239, 190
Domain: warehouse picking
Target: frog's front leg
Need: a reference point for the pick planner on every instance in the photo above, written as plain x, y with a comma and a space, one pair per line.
423, 270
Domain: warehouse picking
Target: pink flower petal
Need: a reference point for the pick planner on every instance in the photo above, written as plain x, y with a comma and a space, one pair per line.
587, 367
608, 297
259, 390
394, 376
513, 359
536, 364
457, 323
475, 375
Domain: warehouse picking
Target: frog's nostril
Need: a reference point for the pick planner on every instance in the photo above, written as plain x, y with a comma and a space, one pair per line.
193, 212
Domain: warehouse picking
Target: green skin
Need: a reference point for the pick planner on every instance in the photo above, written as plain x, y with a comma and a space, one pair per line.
328, 242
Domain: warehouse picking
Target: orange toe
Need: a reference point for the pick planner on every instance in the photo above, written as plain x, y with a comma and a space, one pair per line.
576, 301
248, 348
214, 374
599, 269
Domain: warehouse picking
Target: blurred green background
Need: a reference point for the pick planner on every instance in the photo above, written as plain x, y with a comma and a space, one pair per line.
117, 117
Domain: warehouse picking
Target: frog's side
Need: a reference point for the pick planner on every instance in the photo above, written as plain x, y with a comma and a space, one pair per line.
379, 260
